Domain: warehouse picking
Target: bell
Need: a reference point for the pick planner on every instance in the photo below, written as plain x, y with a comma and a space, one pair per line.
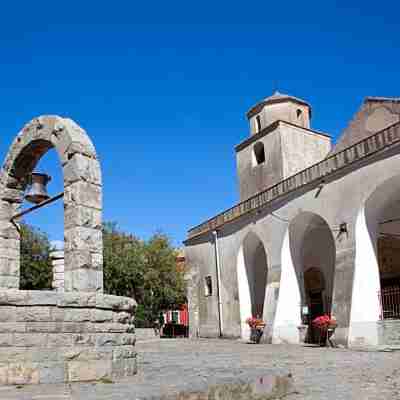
37, 192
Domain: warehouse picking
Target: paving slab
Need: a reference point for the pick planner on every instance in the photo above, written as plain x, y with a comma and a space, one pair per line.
168, 367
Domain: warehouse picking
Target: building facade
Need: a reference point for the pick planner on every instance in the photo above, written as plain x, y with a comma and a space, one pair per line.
317, 230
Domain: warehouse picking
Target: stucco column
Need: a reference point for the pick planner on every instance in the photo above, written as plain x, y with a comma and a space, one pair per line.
365, 304
287, 316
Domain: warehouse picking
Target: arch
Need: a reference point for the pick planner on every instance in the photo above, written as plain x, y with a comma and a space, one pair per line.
307, 275
252, 273
376, 283
82, 200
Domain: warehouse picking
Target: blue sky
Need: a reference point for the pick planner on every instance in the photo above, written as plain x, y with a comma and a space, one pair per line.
162, 89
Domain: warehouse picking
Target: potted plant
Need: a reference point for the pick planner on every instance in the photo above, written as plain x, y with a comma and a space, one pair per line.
257, 326
326, 325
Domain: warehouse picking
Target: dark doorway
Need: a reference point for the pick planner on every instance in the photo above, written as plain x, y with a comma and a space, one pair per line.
314, 286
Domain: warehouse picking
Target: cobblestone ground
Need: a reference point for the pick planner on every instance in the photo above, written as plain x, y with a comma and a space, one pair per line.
169, 365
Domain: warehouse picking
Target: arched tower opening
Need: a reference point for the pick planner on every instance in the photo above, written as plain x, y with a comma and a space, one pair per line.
82, 200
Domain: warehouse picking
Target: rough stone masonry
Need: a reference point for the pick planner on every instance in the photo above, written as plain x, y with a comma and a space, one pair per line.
78, 334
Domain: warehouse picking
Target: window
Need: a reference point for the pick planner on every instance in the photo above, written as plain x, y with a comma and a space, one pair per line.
259, 153
175, 317
298, 113
208, 286
258, 123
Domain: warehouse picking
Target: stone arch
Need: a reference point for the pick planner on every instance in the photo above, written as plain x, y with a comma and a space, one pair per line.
82, 200
377, 264
252, 273
307, 274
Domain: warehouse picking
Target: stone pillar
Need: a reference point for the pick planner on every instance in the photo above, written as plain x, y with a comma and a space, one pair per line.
9, 240
57, 261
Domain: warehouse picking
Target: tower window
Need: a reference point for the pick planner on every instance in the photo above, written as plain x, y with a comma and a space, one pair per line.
259, 153
298, 113
207, 285
258, 123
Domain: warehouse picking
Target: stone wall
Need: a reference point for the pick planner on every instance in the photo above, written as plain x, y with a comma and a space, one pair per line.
49, 337
389, 332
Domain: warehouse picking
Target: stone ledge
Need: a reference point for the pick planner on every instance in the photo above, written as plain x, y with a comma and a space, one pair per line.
14, 297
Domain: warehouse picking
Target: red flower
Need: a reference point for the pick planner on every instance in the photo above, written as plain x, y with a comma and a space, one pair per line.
254, 322
323, 321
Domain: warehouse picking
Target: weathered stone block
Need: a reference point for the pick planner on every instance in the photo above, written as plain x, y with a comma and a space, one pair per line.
97, 261
124, 367
77, 315
41, 298
52, 372
43, 354
107, 339
33, 314
12, 195
83, 194
88, 371
83, 280
82, 168
10, 252
83, 339
46, 327
13, 297
9, 267
8, 314
121, 352
75, 299
9, 243
76, 327
110, 327
77, 259
58, 276
11, 327
102, 315
115, 302
6, 339
82, 216
122, 317
82, 238
9, 282
30, 339
77, 353
60, 340
127, 339
23, 373
3, 374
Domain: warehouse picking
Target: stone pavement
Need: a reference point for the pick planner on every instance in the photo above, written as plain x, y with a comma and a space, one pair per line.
168, 365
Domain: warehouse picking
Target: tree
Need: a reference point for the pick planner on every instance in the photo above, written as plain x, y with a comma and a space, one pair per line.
36, 269
145, 270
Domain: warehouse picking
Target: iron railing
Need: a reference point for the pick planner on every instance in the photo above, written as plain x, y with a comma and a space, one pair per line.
314, 174
389, 298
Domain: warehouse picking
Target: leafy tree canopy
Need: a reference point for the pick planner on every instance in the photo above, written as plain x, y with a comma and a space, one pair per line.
36, 270
145, 270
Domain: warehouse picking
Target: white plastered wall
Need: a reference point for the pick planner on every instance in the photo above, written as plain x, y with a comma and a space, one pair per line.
365, 307
244, 294
287, 317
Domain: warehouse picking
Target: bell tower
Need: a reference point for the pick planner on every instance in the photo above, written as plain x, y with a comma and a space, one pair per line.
281, 143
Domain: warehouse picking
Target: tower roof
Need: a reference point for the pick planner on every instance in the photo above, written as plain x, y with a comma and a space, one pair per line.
276, 97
